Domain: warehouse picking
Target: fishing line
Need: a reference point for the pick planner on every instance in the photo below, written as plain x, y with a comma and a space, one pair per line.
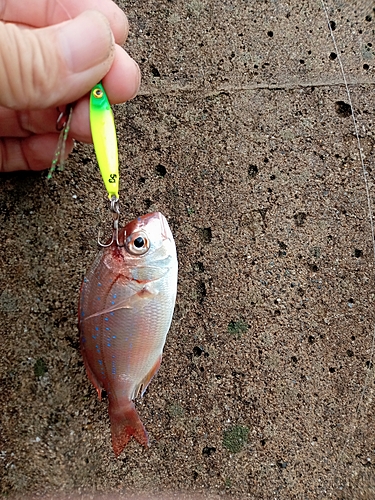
371, 221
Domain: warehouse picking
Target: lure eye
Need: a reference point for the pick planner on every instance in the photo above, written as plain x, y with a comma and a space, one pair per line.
137, 244
98, 93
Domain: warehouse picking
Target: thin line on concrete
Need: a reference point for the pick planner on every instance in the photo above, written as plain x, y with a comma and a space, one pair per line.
360, 403
230, 89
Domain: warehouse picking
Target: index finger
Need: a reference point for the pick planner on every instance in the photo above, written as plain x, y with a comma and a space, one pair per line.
42, 13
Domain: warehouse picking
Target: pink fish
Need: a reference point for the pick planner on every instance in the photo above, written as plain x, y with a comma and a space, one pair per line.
126, 307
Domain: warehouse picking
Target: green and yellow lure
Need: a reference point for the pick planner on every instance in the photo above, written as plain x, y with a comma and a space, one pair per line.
103, 132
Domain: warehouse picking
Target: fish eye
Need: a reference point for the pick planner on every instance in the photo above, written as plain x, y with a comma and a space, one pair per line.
137, 244
98, 93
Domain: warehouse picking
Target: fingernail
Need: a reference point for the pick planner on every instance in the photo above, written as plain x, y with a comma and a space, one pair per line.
86, 41
139, 80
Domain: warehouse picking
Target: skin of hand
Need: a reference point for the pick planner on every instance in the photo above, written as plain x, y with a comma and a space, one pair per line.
52, 52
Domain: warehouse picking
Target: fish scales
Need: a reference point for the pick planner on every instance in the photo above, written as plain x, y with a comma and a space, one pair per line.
126, 306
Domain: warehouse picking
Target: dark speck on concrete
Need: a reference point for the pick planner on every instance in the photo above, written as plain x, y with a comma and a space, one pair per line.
343, 109
40, 368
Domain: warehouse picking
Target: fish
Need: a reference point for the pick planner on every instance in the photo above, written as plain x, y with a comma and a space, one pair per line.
126, 306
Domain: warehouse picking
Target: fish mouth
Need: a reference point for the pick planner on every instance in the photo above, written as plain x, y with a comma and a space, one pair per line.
154, 221
165, 231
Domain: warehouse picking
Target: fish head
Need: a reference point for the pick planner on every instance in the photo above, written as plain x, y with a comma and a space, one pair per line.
149, 251
148, 240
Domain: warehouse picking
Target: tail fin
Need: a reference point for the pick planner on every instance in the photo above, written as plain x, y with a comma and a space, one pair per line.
126, 423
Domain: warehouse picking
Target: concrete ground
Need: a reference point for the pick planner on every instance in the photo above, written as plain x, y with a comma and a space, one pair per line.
242, 136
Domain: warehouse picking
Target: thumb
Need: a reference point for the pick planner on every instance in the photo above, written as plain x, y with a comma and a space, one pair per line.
45, 67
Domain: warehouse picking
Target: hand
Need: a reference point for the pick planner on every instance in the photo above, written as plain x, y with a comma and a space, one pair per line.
52, 52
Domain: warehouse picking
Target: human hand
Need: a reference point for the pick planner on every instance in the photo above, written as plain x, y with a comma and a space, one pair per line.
52, 52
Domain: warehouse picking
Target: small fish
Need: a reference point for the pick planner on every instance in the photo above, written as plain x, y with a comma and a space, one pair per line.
126, 306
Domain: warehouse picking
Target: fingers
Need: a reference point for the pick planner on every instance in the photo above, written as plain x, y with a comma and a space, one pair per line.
25, 123
118, 87
59, 64
45, 67
20, 124
42, 13
31, 153
122, 82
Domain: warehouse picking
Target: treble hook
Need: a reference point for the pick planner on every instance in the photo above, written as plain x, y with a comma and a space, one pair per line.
115, 211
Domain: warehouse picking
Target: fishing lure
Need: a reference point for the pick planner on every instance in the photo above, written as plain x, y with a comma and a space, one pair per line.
104, 137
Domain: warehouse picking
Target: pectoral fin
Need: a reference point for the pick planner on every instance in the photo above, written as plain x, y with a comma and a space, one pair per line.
136, 302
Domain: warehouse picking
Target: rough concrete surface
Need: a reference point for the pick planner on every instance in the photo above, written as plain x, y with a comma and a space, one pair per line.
242, 136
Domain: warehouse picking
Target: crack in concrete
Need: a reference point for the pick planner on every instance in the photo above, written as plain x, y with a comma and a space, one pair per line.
249, 88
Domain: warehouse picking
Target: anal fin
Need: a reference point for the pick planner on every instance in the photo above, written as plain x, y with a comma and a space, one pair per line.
140, 390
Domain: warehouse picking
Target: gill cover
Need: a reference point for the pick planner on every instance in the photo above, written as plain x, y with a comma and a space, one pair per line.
103, 132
